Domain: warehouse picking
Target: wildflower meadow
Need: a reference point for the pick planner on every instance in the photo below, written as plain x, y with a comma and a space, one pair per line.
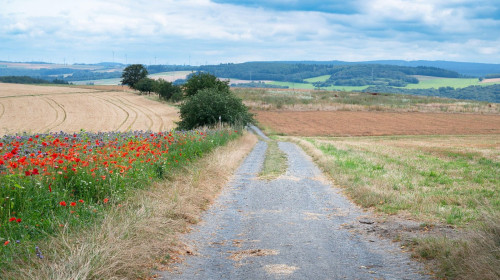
55, 181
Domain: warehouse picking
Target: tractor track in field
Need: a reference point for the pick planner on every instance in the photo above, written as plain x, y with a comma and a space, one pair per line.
60, 114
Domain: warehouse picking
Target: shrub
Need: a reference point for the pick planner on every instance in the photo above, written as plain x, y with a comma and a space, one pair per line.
205, 108
145, 85
200, 81
168, 91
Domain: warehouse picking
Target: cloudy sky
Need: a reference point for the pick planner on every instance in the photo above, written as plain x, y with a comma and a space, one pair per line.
218, 31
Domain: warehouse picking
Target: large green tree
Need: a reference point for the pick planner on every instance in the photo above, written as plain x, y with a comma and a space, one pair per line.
205, 108
133, 74
203, 80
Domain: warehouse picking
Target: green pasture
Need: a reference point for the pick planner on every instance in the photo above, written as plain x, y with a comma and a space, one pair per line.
318, 79
426, 83
311, 86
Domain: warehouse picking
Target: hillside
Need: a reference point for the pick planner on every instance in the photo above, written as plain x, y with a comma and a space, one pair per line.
464, 68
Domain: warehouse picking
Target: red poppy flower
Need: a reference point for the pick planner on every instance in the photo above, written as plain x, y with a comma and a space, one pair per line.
35, 171
81, 201
12, 219
18, 220
62, 203
73, 204
105, 200
6, 243
27, 173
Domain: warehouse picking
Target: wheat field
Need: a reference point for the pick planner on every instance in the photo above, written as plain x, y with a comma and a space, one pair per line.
40, 109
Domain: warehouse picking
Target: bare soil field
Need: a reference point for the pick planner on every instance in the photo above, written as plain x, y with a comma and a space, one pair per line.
342, 123
38, 109
171, 76
495, 80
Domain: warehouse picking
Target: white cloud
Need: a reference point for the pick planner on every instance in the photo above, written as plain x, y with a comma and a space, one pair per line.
383, 29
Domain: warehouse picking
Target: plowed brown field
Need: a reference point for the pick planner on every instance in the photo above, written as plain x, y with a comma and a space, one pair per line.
342, 123
35, 109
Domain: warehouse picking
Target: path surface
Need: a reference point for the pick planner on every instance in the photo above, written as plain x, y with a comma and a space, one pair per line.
289, 228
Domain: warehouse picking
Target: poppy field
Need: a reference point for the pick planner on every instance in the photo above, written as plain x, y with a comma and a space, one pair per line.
63, 181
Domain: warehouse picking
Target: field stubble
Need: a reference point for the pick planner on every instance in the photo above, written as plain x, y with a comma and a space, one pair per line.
40, 109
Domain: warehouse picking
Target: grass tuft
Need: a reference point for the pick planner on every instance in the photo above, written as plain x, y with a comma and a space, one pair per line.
275, 163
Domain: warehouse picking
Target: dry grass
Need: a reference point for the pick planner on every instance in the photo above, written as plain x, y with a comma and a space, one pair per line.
475, 256
315, 100
141, 234
439, 180
436, 179
39, 109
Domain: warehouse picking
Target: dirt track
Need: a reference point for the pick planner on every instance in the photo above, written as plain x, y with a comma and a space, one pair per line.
294, 227
342, 123
37, 109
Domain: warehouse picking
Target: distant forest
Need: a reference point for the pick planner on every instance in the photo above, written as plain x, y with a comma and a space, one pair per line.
72, 74
480, 93
345, 75
29, 80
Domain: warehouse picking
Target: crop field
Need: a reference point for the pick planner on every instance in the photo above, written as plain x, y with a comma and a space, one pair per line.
170, 76
311, 86
318, 79
425, 82
40, 109
341, 123
101, 82
167, 76
435, 82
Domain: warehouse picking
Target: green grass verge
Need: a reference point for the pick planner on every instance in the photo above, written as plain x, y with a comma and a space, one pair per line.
275, 163
453, 180
446, 184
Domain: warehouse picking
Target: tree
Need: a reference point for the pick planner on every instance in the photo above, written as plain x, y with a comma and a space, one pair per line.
205, 108
201, 80
167, 90
145, 85
133, 74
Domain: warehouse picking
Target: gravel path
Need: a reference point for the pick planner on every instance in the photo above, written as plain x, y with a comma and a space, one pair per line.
289, 228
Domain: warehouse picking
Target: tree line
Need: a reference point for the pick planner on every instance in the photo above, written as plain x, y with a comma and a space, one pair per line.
207, 100
358, 74
29, 80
